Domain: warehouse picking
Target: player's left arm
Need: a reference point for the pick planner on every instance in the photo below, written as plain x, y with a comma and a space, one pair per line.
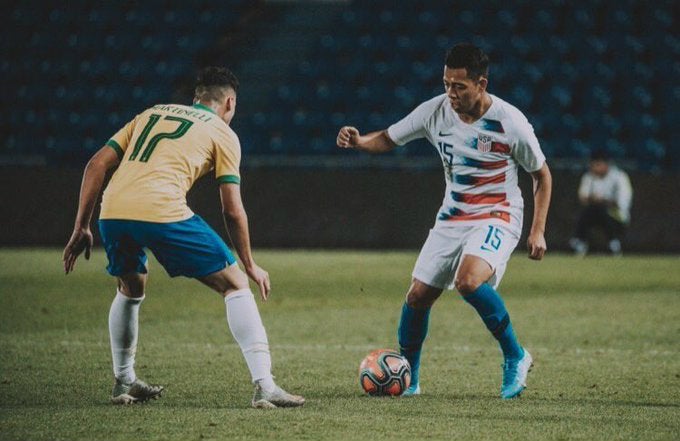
227, 164
527, 152
624, 193
236, 222
93, 180
542, 180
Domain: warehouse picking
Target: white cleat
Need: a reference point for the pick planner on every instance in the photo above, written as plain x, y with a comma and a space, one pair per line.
136, 392
276, 398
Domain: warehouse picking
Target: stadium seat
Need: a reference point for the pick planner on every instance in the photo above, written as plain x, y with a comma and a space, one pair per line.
584, 75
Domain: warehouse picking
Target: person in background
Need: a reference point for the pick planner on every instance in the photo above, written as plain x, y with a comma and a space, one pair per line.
605, 194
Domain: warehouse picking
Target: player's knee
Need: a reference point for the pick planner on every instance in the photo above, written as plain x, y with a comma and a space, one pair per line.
419, 299
131, 286
236, 281
467, 284
241, 281
226, 281
131, 293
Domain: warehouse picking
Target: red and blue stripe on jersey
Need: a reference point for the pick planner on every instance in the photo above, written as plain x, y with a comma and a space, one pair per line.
492, 125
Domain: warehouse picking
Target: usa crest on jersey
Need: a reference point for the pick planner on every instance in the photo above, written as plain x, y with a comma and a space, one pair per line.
484, 143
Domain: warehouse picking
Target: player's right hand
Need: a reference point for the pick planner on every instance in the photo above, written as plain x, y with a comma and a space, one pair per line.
261, 277
348, 137
81, 240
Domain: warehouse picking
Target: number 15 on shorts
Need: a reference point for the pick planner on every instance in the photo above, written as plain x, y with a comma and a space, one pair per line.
494, 238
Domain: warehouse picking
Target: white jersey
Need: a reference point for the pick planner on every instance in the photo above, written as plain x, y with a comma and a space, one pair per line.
480, 159
614, 187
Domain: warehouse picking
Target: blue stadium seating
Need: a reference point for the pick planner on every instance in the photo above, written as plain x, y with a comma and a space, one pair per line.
587, 75
75, 72
598, 74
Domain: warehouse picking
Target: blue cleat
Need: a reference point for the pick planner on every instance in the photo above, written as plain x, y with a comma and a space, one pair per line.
412, 390
515, 376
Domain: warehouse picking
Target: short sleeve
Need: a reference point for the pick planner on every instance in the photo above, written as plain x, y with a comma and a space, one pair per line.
410, 127
584, 187
624, 193
120, 141
527, 151
228, 159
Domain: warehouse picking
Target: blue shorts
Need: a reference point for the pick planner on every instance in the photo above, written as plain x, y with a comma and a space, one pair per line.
187, 248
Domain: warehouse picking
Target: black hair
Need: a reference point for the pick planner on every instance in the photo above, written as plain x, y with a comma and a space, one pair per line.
212, 81
470, 57
599, 155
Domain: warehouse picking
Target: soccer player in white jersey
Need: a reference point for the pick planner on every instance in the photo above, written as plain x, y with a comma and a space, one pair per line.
481, 140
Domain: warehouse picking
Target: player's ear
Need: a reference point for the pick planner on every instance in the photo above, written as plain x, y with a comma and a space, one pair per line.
483, 82
230, 103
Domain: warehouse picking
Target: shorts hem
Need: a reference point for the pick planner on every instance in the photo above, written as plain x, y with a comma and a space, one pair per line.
202, 272
428, 281
122, 273
485, 259
115, 272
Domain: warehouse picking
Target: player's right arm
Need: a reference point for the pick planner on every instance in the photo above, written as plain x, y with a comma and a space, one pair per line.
93, 180
104, 160
411, 127
374, 142
584, 195
236, 221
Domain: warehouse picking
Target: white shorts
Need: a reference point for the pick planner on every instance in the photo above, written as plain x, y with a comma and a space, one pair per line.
441, 254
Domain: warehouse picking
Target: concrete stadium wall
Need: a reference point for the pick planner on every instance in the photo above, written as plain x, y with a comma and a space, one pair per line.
331, 208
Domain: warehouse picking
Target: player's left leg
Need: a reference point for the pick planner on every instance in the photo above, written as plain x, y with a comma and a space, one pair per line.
485, 255
471, 282
191, 248
471, 279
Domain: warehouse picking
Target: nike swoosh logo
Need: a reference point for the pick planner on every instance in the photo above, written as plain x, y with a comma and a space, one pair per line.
445, 134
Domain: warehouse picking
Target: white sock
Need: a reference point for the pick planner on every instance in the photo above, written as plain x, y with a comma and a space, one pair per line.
246, 327
123, 328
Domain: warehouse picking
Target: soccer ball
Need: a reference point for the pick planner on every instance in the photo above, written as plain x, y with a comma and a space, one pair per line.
384, 372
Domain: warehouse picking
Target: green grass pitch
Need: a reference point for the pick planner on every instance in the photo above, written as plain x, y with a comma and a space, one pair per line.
604, 334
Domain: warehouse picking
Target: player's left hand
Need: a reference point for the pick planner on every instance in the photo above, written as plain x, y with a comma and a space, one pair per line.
261, 277
81, 240
536, 246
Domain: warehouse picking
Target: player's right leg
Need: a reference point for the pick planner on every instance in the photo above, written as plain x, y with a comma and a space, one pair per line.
413, 326
431, 274
246, 326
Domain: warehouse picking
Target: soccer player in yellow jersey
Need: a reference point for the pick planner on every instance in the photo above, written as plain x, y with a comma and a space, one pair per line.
159, 155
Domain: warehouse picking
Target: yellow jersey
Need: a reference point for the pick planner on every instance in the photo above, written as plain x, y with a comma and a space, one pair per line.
163, 151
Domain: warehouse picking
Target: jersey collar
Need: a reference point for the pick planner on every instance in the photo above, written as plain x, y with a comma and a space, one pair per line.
203, 107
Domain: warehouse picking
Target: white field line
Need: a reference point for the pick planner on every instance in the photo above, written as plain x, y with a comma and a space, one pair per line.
367, 347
